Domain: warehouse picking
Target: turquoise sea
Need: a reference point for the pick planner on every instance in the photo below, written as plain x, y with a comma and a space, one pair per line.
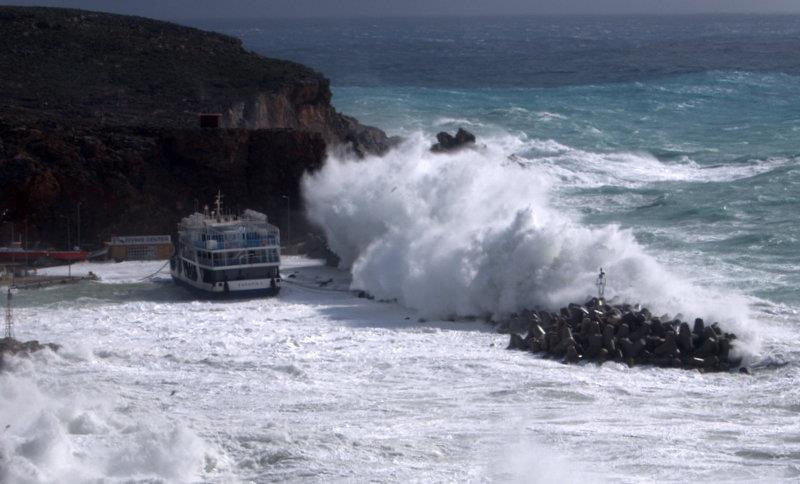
683, 129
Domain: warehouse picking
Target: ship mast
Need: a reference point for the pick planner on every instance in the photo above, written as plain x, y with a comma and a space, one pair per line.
218, 204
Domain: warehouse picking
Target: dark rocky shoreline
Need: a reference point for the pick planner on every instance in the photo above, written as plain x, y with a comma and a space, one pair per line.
599, 332
11, 346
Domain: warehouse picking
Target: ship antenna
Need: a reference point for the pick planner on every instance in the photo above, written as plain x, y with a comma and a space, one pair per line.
218, 204
601, 285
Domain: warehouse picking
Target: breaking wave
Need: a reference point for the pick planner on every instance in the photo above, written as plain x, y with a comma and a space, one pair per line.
473, 233
62, 434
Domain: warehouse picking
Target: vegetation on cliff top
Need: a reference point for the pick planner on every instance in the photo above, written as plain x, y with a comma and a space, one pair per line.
74, 65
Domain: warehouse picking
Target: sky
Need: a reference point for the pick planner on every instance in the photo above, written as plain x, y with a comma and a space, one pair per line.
191, 9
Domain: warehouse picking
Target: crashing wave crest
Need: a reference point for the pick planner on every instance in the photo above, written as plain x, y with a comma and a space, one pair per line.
471, 233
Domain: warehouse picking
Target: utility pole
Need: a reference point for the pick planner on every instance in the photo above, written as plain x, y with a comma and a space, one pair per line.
288, 219
9, 332
78, 243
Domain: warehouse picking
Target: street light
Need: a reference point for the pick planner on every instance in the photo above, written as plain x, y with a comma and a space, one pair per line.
78, 236
288, 220
69, 261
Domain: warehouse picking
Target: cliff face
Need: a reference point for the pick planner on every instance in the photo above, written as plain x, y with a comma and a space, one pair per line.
75, 66
143, 180
305, 107
100, 112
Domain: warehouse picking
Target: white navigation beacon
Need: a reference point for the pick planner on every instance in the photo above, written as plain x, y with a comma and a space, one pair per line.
601, 284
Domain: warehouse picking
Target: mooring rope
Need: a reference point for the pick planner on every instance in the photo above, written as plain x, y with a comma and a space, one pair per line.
316, 288
156, 272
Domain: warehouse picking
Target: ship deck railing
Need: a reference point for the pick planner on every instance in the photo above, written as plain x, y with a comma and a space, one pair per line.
259, 257
238, 244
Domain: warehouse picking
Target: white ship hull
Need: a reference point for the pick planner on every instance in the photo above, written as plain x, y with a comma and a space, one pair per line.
246, 288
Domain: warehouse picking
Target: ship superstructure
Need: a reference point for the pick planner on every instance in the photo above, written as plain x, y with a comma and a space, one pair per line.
225, 254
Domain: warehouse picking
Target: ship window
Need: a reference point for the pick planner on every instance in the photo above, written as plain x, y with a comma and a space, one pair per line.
246, 273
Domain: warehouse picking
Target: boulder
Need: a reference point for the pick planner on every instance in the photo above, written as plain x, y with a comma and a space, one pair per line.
572, 355
448, 142
685, 338
517, 343
699, 327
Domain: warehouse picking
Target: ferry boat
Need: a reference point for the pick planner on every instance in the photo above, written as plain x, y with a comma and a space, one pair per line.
221, 254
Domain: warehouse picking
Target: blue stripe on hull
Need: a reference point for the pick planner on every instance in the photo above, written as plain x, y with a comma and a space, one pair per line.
249, 293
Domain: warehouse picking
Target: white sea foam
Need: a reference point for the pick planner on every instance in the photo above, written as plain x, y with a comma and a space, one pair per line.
580, 168
68, 434
317, 385
471, 234
113, 273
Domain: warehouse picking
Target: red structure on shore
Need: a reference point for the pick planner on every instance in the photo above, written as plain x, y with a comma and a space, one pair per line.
16, 253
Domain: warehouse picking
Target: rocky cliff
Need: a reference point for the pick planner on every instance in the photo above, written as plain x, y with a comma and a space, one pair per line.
100, 112
76, 66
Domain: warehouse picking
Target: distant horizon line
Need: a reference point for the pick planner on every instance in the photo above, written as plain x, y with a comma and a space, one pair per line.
429, 16
260, 17
795, 13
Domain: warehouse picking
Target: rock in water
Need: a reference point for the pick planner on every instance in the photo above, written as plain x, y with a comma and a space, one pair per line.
448, 142
516, 342
12, 346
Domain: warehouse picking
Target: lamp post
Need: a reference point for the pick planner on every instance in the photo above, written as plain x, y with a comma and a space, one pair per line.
78, 226
69, 240
288, 219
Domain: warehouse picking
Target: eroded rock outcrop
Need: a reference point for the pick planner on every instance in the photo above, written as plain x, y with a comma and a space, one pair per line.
448, 142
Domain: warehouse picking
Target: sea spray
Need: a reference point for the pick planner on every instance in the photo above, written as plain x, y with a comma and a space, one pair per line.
473, 233
51, 432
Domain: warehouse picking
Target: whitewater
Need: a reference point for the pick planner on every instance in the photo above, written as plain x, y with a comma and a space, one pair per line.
319, 385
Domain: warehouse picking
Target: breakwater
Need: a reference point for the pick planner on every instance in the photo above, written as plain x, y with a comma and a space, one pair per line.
599, 332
